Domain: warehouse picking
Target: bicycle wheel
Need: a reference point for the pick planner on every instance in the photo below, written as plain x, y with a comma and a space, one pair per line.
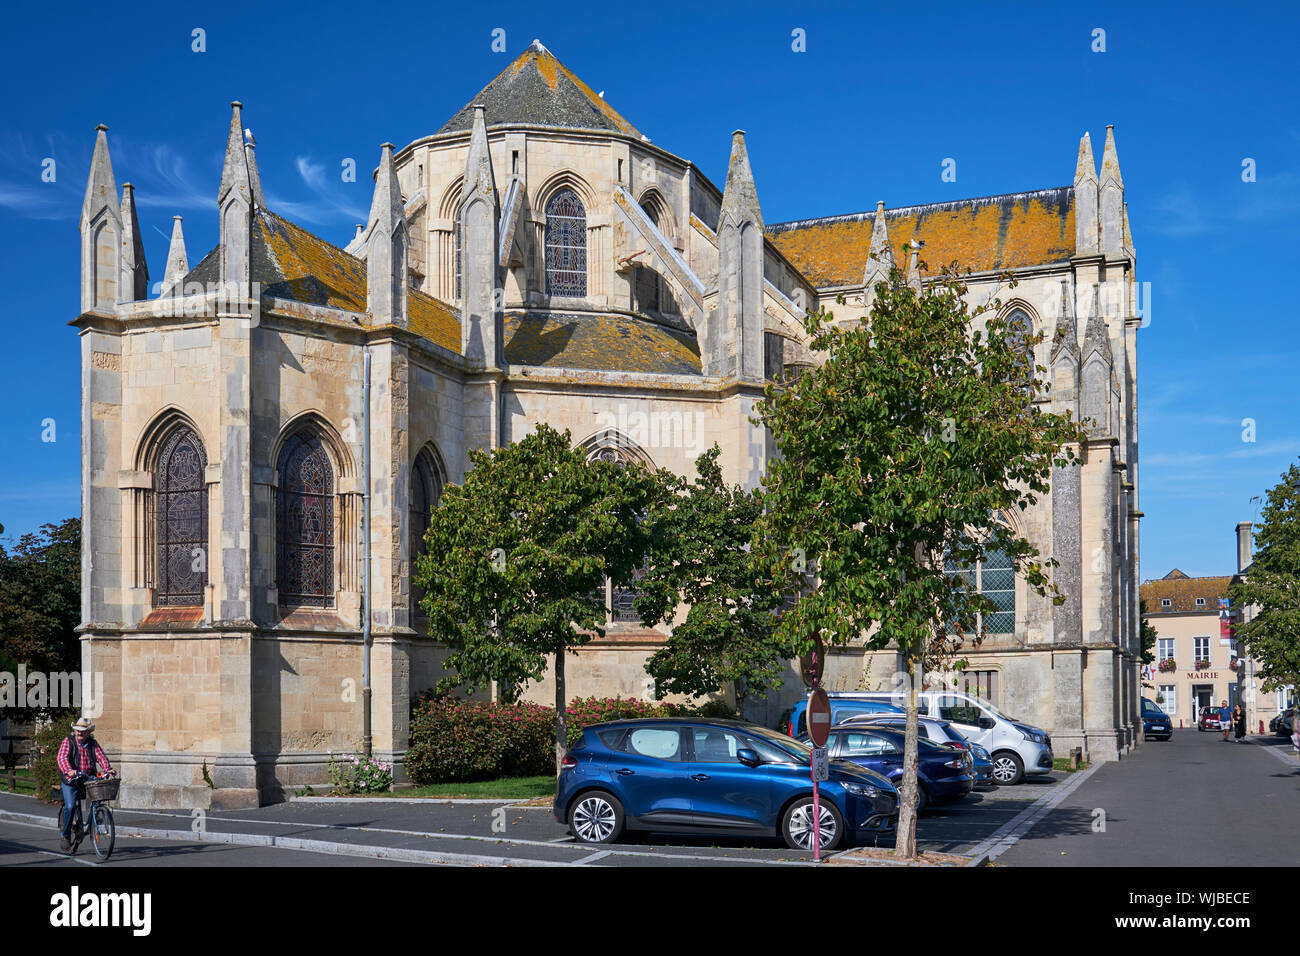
103, 832
63, 818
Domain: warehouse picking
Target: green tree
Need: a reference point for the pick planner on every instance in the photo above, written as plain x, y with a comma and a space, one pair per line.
1149, 636
897, 455
516, 558
1272, 588
700, 556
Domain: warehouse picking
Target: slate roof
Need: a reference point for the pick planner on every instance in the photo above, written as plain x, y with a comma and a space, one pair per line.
1182, 593
538, 90
292, 263
599, 342
1010, 231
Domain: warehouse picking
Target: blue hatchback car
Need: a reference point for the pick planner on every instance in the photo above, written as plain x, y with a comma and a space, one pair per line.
719, 776
1155, 722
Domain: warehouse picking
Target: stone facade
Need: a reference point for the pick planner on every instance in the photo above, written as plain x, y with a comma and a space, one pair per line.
537, 259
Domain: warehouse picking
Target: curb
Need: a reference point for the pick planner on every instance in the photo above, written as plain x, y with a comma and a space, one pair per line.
437, 800
1009, 833
398, 854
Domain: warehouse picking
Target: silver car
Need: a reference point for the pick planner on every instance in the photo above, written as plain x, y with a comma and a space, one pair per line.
940, 732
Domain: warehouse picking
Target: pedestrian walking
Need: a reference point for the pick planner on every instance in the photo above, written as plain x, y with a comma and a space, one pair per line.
1239, 722
1225, 718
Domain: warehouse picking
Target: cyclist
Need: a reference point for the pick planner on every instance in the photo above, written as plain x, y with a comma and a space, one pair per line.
80, 757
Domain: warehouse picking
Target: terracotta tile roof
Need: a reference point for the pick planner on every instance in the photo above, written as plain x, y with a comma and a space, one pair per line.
292, 263
538, 90
600, 342
1182, 593
992, 233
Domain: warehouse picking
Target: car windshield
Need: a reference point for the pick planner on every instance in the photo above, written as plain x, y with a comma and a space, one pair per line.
799, 752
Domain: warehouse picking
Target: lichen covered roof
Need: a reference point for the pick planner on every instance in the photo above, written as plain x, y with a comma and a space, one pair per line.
1182, 593
1011, 231
291, 263
538, 90
616, 343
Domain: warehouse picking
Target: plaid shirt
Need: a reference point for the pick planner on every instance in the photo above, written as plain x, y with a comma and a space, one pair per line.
65, 763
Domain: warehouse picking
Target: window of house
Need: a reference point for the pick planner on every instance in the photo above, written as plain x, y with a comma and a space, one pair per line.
305, 545
566, 245
1166, 648
181, 521
995, 578
1201, 648
1200, 602
1166, 602
1169, 704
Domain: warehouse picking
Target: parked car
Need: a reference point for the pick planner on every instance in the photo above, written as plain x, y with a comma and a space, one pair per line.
1018, 749
940, 732
842, 709
1155, 722
944, 774
1209, 719
1283, 723
720, 776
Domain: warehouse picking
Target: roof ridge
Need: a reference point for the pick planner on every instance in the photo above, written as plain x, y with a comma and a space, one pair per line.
895, 211
304, 229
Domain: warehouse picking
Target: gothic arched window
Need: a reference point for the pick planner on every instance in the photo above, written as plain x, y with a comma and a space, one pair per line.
995, 578
181, 521
620, 601
1020, 329
305, 545
566, 245
427, 482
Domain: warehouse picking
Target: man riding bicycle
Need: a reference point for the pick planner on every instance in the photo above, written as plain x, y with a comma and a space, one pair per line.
80, 757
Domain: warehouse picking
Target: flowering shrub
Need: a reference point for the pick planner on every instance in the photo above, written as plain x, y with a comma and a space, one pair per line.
353, 773
462, 740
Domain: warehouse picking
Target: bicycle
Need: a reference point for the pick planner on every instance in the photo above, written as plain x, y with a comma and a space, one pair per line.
102, 830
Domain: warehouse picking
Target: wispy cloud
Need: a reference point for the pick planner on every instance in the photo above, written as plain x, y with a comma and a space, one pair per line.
328, 207
1183, 212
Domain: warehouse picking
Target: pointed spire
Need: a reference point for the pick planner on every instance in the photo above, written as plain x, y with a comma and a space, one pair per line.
1111, 200
1066, 338
386, 249
740, 195
914, 264
479, 179
178, 265
1095, 336
481, 302
235, 202
254, 178
880, 257
1086, 236
134, 284
101, 232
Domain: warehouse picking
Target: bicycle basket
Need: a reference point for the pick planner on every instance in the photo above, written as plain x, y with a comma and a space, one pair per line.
103, 789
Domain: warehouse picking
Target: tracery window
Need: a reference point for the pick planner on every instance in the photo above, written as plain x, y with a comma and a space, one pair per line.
619, 600
305, 544
995, 578
427, 482
566, 245
181, 521
1020, 329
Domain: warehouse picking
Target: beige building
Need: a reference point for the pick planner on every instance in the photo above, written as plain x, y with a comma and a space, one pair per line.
536, 259
1197, 663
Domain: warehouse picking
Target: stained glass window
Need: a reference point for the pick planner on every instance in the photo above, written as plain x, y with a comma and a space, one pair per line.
1020, 330
306, 518
620, 601
181, 521
995, 578
426, 489
566, 245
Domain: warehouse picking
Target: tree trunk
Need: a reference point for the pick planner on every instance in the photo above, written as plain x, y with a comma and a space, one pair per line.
905, 842
561, 716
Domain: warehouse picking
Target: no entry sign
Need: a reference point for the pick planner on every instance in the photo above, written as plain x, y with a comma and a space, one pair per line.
819, 717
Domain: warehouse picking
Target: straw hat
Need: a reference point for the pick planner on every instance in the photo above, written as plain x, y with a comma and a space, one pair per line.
85, 724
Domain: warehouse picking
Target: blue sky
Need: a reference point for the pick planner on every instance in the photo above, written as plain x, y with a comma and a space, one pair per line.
881, 96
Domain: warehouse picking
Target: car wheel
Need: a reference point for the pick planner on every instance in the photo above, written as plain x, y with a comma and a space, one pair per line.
596, 817
922, 799
797, 825
1008, 768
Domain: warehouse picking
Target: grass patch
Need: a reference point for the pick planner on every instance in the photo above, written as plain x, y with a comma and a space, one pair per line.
1063, 763
505, 788
24, 781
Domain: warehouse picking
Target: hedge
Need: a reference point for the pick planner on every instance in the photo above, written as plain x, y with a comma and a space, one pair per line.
455, 741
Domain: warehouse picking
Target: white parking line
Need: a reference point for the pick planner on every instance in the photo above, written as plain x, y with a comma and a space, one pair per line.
593, 858
1008, 834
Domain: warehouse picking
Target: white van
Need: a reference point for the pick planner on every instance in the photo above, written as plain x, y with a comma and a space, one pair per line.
1018, 749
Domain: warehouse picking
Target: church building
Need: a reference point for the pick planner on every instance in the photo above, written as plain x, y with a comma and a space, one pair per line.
536, 259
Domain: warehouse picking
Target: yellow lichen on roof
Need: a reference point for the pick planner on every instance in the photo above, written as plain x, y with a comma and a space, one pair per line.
433, 320
603, 342
984, 235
